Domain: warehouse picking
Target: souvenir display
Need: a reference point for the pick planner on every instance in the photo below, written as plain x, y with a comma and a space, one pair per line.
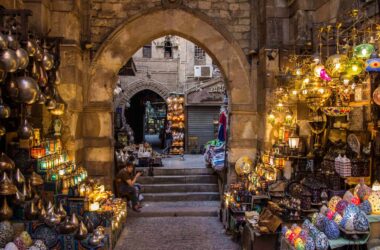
176, 117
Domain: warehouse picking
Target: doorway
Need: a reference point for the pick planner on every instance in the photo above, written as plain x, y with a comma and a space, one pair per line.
146, 116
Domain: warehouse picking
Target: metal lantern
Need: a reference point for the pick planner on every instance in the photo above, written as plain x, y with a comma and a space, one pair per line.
354, 67
294, 142
336, 64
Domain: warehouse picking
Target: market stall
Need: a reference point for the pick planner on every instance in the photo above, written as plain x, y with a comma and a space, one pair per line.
311, 189
47, 200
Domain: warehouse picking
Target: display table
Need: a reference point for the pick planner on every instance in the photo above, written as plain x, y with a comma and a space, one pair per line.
251, 239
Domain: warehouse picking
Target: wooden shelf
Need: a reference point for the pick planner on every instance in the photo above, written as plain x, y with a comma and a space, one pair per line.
360, 104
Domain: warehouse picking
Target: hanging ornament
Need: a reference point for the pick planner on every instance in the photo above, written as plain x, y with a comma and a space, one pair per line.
324, 76
373, 65
354, 67
364, 50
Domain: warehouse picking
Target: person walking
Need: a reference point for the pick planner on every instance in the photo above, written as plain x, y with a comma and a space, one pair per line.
168, 139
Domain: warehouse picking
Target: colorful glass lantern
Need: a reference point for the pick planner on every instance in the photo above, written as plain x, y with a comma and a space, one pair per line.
373, 65
374, 199
355, 67
376, 186
317, 70
324, 76
271, 117
333, 202
364, 50
336, 64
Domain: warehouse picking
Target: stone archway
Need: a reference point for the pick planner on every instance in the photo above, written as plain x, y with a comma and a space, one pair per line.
126, 40
139, 85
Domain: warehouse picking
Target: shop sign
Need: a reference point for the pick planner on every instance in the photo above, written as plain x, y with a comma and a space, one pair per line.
213, 94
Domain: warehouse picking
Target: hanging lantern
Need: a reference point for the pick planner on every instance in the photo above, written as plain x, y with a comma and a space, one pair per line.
294, 142
373, 65
271, 117
317, 70
376, 186
374, 199
336, 64
288, 117
324, 76
354, 67
364, 50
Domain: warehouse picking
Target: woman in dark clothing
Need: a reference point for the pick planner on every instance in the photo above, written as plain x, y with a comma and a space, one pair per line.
168, 139
127, 186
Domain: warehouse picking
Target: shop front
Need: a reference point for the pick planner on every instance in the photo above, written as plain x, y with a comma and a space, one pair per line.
204, 106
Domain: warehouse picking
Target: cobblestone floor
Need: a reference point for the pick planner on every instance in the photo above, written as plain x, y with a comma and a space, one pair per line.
175, 233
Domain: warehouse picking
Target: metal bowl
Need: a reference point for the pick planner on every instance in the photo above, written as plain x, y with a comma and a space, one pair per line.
28, 89
23, 58
8, 60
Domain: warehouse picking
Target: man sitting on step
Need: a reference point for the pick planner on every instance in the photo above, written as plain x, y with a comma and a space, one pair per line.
126, 187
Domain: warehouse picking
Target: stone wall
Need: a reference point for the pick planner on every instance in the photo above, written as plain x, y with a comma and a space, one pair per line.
234, 15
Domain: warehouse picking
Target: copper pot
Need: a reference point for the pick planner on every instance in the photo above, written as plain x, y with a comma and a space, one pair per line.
43, 79
13, 42
12, 89
23, 58
6, 163
36, 179
5, 111
31, 212
8, 60
51, 104
41, 98
5, 211
94, 240
39, 54
82, 232
52, 219
31, 47
48, 61
3, 41
28, 89
67, 227
2, 130
19, 177
25, 131
57, 77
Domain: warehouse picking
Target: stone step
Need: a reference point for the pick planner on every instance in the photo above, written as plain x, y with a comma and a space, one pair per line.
180, 171
177, 179
171, 188
177, 209
185, 196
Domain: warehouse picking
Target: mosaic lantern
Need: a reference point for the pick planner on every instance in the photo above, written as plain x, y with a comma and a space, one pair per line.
374, 199
364, 50
355, 67
373, 65
336, 64
318, 69
333, 202
376, 186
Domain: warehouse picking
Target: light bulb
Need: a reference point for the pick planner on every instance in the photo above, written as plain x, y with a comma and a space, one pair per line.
354, 68
337, 66
364, 52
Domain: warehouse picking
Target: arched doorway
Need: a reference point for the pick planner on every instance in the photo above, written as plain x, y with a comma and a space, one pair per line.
146, 116
136, 32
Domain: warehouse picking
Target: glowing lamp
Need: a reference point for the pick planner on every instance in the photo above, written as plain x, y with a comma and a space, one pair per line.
94, 206
355, 67
364, 50
330, 214
288, 117
298, 72
376, 186
294, 142
336, 64
61, 172
324, 76
374, 199
317, 70
271, 117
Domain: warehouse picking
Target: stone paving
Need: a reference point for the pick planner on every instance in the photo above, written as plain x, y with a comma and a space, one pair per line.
191, 161
175, 233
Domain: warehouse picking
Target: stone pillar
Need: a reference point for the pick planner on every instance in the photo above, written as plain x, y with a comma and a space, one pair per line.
99, 143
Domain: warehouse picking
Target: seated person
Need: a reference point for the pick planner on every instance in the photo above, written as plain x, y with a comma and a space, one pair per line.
128, 184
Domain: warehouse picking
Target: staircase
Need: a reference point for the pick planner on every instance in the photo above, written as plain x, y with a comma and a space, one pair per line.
180, 192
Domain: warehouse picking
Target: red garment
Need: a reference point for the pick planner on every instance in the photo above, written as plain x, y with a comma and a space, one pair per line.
223, 124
